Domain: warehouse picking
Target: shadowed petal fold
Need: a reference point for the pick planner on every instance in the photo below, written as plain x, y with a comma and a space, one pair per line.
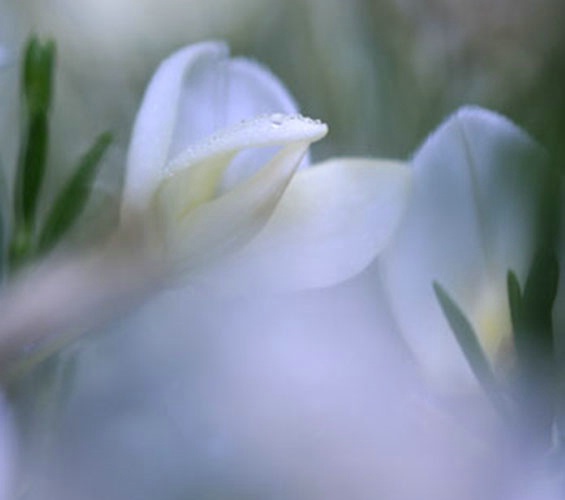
198, 227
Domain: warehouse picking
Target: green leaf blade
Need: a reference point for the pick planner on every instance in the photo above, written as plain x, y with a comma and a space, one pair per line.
33, 159
37, 74
541, 286
73, 197
514, 299
37, 87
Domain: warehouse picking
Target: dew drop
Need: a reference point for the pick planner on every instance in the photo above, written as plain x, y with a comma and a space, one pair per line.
277, 119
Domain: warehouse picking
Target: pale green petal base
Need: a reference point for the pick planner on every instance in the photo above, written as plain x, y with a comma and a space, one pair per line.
331, 222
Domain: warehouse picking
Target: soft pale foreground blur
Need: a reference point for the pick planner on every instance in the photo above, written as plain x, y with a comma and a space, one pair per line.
305, 396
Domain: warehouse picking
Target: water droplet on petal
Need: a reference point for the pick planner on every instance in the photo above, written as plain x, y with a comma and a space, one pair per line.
277, 119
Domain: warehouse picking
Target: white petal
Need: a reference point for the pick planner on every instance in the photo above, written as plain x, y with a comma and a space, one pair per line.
194, 93
252, 90
199, 229
331, 222
471, 219
156, 121
193, 177
223, 93
221, 226
219, 92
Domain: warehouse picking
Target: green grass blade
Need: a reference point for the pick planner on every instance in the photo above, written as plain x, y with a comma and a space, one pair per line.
37, 74
37, 88
73, 198
514, 299
31, 171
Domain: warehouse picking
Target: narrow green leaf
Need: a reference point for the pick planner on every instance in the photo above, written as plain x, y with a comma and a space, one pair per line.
541, 286
469, 343
521, 330
32, 56
73, 198
31, 169
550, 208
534, 342
514, 299
37, 87
533, 329
37, 74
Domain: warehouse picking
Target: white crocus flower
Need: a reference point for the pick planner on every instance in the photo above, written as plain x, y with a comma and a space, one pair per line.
214, 149
471, 218
211, 175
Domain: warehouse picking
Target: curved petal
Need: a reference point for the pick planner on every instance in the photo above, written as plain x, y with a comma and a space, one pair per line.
331, 222
253, 91
199, 228
195, 92
219, 92
156, 120
470, 219
194, 176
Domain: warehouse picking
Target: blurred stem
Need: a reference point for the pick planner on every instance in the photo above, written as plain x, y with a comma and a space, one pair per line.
72, 200
38, 397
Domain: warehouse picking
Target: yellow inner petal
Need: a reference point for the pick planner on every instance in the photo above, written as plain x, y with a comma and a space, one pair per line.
492, 323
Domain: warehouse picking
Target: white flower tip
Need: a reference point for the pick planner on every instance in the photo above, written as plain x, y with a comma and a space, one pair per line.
263, 131
472, 122
486, 119
215, 49
290, 128
482, 116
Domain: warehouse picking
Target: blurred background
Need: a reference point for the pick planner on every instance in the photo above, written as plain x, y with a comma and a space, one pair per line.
382, 74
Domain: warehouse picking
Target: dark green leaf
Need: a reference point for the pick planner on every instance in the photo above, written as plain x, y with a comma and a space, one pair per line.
550, 209
533, 329
71, 201
541, 286
533, 339
4, 211
37, 86
31, 169
514, 299
37, 77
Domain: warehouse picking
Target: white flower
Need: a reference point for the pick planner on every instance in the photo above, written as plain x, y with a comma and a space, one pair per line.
212, 157
471, 218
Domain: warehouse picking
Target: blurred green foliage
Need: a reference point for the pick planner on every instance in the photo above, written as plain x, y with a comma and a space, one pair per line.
30, 234
382, 73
